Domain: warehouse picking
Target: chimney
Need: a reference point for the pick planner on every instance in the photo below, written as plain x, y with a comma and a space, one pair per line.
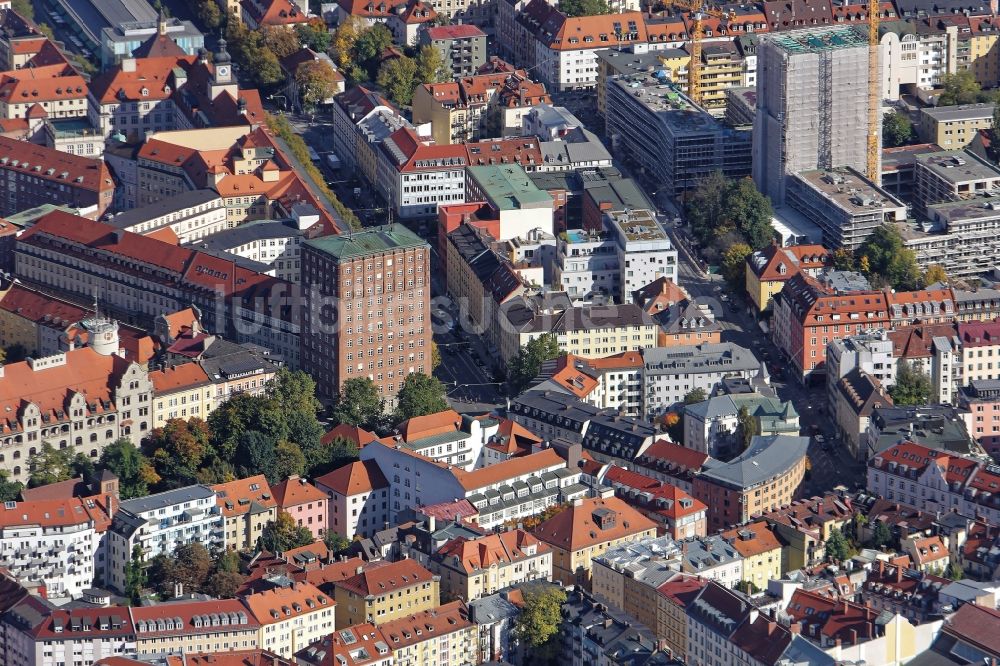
795, 628
431, 524
359, 570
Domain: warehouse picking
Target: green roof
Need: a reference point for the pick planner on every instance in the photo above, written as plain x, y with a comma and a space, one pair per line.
508, 186
368, 242
28, 217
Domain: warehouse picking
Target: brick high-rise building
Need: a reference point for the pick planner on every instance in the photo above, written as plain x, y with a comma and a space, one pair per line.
367, 308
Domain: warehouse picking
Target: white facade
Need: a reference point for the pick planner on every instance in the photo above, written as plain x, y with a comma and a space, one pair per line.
900, 58
359, 513
53, 542
189, 222
586, 264
417, 194
159, 524
670, 373
645, 253
869, 352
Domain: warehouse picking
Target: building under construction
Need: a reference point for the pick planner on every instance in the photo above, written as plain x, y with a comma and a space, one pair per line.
812, 104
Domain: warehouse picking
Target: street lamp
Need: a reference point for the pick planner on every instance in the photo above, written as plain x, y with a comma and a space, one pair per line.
284, 102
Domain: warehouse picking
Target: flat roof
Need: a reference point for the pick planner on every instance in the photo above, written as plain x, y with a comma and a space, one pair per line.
638, 225
894, 159
368, 242
508, 186
247, 233
849, 189
816, 40
967, 209
960, 112
672, 107
958, 166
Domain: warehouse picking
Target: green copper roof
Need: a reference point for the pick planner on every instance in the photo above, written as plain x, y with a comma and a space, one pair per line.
368, 242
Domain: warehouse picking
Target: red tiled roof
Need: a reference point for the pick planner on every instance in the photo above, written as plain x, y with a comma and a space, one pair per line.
438, 423
418, 627
508, 469
281, 603
752, 539
357, 436
146, 618
475, 555
354, 478
667, 452
682, 589
414, 154
84, 624
450, 511
294, 491
236, 498
574, 527
55, 166
387, 579
976, 625
178, 377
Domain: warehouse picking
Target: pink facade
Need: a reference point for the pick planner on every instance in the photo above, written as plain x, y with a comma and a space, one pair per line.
304, 502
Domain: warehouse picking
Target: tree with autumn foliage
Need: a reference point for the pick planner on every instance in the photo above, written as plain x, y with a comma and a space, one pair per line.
178, 451
317, 82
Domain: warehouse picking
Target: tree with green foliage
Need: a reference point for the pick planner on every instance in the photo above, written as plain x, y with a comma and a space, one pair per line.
50, 465
135, 473
419, 395
959, 88
694, 396
339, 452
528, 363
431, 67
993, 150
747, 427
10, 491
160, 575
888, 260
263, 65
368, 47
283, 534
398, 78
537, 626
135, 576
224, 584
208, 14
288, 461
15, 353
584, 7
314, 35
335, 542
23, 8
881, 535
837, 547
720, 209
255, 454
359, 403
955, 571
897, 130
734, 266
912, 387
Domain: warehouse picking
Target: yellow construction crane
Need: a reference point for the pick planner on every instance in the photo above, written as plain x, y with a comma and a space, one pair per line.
698, 12
874, 173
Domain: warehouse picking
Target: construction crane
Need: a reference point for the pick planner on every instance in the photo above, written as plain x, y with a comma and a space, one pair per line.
874, 173
698, 12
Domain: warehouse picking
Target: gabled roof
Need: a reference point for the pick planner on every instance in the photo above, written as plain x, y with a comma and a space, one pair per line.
425, 625
243, 496
387, 579
472, 556
283, 603
419, 427
753, 539
188, 617
159, 46
55, 166
781, 263
178, 378
358, 436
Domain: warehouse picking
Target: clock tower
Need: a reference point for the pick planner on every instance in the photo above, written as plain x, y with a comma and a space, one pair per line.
222, 77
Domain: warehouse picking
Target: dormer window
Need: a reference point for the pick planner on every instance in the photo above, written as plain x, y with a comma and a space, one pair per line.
144, 92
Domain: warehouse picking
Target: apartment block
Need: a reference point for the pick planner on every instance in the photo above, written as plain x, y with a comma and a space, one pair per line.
675, 141
290, 617
670, 373
188, 215
462, 47
954, 127
680, 516
959, 236
587, 529
711, 426
804, 526
846, 205
304, 502
627, 576
443, 635
472, 568
769, 269
56, 542
812, 104
247, 506
383, 592
933, 480
217, 625
762, 478
359, 499
761, 550
343, 344
980, 404
37, 635
159, 523
448, 437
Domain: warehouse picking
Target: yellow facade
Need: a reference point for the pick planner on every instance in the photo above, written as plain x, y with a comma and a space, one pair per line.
601, 342
984, 52
243, 531
354, 609
762, 567
761, 291
461, 647
574, 567
671, 626
183, 403
442, 118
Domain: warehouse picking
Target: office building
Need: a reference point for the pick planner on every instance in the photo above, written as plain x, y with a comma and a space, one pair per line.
382, 330
952, 176
812, 104
670, 373
673, 140
954, 127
